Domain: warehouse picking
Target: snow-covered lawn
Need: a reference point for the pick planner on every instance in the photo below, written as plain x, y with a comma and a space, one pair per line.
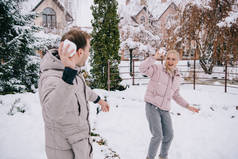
211, 134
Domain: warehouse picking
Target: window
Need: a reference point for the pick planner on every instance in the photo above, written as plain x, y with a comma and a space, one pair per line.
49, 18
142, 19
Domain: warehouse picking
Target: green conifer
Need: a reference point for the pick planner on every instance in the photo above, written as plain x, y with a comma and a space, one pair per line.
19, 64
105, 45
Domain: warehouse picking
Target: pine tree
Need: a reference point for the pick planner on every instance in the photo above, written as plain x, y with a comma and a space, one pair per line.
105, 45
19, 64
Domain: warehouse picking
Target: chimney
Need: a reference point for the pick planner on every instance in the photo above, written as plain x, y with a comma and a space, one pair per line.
127, 2
163, 1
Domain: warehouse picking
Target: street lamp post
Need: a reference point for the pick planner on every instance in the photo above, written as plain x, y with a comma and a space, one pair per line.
193, 46
226, 59
131, 58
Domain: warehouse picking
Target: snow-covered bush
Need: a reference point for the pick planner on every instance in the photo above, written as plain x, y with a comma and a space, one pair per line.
17, 106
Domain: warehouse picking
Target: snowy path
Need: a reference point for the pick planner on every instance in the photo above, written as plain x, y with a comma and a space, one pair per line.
211, 134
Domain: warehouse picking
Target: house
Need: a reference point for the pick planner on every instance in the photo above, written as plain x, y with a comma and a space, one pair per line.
143, 26
168, 14
53, 16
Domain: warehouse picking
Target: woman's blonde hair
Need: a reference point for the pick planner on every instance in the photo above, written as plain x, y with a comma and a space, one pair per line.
173, 52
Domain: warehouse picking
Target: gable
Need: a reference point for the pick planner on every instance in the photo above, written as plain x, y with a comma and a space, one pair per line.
146, 11
141, 11
142, 14
57, 3
141, 17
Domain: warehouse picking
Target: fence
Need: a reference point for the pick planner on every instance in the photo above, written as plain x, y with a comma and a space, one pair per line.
191, 72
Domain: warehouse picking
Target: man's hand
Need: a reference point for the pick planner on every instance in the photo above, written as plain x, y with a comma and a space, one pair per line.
104, 105
65, 56
193, 109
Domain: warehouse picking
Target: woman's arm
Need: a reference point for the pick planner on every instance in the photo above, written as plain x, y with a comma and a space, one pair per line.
182, 102
179, 99
148, 67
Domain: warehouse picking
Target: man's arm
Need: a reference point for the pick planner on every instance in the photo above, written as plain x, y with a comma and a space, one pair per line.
93, 97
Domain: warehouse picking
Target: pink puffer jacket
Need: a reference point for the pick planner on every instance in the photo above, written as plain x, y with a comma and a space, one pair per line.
162, 86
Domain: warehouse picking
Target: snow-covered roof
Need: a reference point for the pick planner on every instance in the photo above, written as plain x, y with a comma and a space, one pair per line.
129, 10
155, 7
28, 5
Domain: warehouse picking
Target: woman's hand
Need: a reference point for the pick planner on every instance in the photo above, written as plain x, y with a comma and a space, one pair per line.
65, 56
104, 105
157, 54
193, 109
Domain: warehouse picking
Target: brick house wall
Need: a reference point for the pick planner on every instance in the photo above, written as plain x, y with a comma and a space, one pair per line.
61, 18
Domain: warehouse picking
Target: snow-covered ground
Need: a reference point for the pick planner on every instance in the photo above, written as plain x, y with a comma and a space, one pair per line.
211, 134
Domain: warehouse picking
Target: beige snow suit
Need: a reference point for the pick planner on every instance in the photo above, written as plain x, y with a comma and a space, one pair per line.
65, 111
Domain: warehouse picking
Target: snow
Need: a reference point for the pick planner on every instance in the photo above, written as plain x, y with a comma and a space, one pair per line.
198, 136
28, 5
157, 9
228, 21
133, 44
130, 10
210, 134
232, 17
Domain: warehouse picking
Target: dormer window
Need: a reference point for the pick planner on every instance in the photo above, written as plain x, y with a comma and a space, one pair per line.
49, 18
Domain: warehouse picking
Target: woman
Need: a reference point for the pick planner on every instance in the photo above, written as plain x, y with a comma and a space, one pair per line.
163, 86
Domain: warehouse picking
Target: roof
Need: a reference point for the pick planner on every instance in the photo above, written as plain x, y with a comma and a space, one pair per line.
144, 8
59, 4
172, 3
134, 19
155, 10
131, 9
159, 9
150, 15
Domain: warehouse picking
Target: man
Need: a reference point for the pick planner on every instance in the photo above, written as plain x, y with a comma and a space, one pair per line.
64, 97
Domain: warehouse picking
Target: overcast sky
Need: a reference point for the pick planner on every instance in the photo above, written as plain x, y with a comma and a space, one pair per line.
83, 14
